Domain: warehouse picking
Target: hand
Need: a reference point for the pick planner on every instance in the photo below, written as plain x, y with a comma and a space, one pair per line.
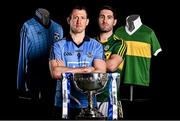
88, 69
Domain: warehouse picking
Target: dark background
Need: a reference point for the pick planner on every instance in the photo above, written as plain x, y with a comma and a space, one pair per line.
161, 97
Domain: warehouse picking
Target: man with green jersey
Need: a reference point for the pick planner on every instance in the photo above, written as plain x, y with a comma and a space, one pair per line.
114, 49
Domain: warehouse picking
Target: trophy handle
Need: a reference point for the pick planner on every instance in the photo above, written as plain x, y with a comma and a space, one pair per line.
79, 89
104, 85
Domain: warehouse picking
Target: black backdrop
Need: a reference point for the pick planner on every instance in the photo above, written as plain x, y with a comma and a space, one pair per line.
163, 89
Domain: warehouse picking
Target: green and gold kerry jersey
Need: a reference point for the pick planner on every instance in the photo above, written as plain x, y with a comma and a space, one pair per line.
140, 47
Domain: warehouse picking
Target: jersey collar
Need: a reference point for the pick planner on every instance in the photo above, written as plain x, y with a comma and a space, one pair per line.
86, 38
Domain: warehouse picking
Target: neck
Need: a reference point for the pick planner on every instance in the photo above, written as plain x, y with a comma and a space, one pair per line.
105, 35
77, 37
136, 23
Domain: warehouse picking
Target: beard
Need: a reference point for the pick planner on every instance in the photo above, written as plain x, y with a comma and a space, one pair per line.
105, 28
77, 30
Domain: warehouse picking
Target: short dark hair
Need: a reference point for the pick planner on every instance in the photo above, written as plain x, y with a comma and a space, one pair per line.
79, 7
108, 7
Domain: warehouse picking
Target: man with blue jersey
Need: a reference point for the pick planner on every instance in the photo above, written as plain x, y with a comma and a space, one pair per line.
36, 37
77, 53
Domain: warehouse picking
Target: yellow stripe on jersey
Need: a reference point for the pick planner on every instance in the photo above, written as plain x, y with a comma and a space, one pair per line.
121, 65
141, 49
122, 49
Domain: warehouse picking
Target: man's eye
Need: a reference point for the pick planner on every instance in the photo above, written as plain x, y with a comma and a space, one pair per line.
110, 17
75, 17
83, 17
101, 17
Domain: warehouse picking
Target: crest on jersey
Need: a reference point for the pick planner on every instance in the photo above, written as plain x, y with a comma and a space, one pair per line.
89, 54
106, 47
56, 36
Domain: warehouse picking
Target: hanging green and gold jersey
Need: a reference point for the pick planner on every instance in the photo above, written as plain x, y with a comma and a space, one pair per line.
140, 47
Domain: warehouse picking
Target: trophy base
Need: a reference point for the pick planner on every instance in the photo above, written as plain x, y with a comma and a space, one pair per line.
88, 114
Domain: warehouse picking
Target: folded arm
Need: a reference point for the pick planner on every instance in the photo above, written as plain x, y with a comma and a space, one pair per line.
57, 67
113, 62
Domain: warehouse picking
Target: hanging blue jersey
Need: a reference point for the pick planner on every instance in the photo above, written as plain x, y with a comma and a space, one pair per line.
35, 43
76, 56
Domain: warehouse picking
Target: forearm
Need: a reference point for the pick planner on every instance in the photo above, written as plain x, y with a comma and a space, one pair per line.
99, 70
111, 67
113, 63
57, 71
100, 66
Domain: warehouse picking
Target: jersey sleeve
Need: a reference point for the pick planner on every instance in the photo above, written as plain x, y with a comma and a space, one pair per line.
56, 52
58, 31
120, 47
22, 62
99, 52
156, 48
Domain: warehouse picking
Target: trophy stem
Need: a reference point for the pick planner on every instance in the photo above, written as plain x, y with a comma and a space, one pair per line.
90, 99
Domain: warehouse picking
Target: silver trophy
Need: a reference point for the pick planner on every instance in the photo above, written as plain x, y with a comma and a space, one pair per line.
90, 84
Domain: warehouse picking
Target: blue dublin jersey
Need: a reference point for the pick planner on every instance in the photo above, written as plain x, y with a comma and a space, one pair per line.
35, 43
76, 56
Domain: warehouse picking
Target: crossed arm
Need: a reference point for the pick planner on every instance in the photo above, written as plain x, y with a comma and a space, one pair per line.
113, 62
57, 67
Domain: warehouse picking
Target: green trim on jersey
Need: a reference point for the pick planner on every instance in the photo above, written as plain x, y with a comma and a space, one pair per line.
113, 45
140, 46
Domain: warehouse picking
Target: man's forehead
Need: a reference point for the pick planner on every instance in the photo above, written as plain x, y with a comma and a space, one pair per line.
77, 11
106, 11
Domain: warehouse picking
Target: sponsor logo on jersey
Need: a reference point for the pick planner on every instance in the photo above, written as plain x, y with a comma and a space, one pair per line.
68, 54
89, 54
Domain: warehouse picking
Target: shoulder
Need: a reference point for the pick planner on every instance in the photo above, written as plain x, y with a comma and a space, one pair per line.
54, 23
94, 40
29, 25
118, 39
119, 29
30, 22
58, 44
62, 40
146, 29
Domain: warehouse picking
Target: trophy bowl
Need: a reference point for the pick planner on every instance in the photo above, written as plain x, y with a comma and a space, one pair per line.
90, 81
90, 84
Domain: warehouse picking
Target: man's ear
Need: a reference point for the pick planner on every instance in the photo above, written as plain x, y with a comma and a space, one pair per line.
87, 22
115, 21
68, 20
